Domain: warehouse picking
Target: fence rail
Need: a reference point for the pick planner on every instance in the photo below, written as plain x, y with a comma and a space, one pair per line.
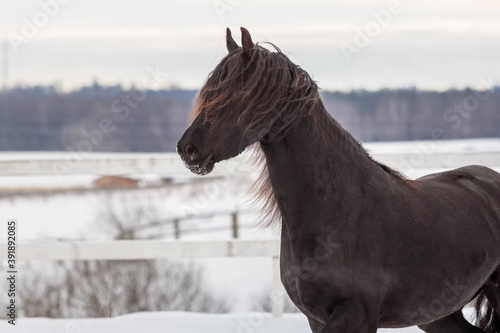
61, 164
143, 249
156, 249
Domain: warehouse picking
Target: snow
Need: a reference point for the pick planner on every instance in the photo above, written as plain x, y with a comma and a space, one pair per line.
76, 215
85, 181
178, 322
435, 146
240, 280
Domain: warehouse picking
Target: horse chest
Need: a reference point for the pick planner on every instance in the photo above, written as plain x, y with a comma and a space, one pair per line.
310, 287
304, 293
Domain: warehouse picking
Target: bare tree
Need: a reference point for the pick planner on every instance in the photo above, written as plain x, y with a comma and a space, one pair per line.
263, 303
110, 288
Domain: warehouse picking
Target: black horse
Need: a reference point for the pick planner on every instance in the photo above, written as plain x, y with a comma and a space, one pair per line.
362, 247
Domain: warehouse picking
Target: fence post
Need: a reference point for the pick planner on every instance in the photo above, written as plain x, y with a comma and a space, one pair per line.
277, 300
234, 216
177, 230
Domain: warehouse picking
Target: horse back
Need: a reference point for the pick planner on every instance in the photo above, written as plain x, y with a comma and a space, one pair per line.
478, 180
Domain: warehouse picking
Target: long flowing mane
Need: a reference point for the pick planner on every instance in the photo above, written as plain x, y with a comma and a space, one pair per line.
262, 86
258, 86
267, 89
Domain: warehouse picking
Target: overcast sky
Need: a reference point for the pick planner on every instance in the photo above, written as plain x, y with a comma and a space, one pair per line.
343, 44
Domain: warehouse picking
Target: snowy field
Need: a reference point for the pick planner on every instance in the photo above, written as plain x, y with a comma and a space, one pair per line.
76, 215
80, 216
173, 322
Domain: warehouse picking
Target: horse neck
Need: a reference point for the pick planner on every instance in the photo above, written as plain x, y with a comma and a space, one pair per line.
316, 165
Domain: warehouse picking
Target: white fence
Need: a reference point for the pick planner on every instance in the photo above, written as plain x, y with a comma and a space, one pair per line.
61, 164
170, 164
156, 249
144, 249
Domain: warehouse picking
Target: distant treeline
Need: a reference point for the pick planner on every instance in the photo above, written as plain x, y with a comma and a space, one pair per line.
93, 118
412, 114
98, 118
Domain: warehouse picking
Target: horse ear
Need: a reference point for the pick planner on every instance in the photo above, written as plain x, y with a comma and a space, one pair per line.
246, 41
230, 43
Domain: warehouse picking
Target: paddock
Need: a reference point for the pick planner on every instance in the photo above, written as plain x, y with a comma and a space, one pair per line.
414, 159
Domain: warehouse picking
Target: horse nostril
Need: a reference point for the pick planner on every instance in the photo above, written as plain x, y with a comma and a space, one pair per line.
191, 150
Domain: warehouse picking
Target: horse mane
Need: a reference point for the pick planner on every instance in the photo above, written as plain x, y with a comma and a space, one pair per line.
261, 87
262, 189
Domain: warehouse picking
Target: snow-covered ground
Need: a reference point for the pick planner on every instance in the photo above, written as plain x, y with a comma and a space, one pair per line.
74, 215
176, 322
172, 322
239, 280
435, 146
